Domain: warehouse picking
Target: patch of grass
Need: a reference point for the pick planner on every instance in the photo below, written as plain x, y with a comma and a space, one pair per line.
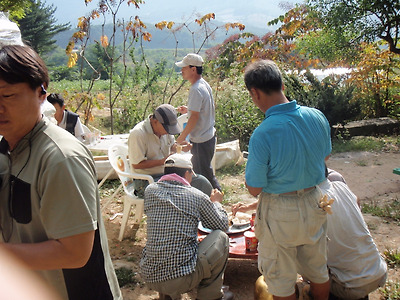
231, 189
111, 184
131, 259
390, 211
371, 226
108, 188
362, 163
231, 170
360, 143
232, 192
391, 290
392, 258
125, 276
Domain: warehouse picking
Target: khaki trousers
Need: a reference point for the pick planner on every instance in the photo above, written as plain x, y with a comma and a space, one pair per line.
208, 275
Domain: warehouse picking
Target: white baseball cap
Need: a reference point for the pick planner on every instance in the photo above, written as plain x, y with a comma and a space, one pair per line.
192, 59
179, 160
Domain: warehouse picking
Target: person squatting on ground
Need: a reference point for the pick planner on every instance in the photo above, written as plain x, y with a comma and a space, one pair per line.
49, 201
286, 161
173, 261
355, 266
66, 119
150, 143
201, 112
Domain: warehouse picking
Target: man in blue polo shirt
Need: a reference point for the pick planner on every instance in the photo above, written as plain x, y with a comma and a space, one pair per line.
286, 162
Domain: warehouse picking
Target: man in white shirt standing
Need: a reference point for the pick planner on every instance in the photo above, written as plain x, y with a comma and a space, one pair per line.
66, 119
201, 111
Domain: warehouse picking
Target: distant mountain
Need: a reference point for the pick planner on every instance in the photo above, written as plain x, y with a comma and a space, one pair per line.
161, 38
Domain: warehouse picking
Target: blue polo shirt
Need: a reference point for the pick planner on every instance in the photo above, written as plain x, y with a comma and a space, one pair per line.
287, 150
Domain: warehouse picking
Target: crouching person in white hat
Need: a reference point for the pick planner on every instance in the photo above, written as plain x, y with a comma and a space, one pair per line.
173, 260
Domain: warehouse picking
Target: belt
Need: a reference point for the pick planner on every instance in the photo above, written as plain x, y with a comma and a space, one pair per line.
299, 191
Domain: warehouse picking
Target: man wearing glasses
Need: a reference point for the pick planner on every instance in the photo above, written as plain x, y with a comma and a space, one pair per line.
49, 202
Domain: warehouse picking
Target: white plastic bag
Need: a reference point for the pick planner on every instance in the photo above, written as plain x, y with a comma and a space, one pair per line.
48, 110
227, 153
9, 32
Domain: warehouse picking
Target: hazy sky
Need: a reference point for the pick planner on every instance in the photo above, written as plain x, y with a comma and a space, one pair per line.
249, 12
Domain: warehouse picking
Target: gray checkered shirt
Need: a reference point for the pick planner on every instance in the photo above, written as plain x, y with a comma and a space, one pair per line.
173, 213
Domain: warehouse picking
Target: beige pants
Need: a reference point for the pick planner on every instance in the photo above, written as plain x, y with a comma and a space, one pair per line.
208, 276
339, 290
291, 230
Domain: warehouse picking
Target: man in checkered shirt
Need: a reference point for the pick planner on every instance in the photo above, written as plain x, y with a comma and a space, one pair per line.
173, 261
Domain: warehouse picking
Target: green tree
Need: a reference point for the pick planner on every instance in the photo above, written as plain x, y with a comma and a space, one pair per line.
16, 8
307, 42
332, 95
377, 80
39, 27
368, 20
133, 30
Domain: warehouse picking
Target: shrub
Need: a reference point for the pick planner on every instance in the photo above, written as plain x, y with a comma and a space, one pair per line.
125, 276
236, 116
332, 96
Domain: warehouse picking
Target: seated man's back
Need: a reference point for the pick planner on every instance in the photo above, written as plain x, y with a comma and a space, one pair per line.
356, 267
173, 212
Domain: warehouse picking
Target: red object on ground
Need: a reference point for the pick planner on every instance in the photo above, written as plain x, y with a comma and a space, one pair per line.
237, 246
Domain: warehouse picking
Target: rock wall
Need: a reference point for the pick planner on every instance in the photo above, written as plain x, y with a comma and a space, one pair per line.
368, 127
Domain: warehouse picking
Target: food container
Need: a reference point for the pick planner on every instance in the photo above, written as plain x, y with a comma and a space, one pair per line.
253, 217
251, 241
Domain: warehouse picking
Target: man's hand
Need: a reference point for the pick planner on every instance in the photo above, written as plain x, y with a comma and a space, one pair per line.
240, 206
182, 109
186, 146
216, 196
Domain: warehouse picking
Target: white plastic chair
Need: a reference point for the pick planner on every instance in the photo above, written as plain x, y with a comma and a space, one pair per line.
182, 120
85, 129
117, 155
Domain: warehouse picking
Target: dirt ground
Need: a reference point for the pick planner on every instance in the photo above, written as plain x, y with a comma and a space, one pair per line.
369, 175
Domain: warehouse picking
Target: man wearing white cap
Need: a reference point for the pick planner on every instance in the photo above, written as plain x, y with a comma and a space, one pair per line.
173, 262
201, 112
